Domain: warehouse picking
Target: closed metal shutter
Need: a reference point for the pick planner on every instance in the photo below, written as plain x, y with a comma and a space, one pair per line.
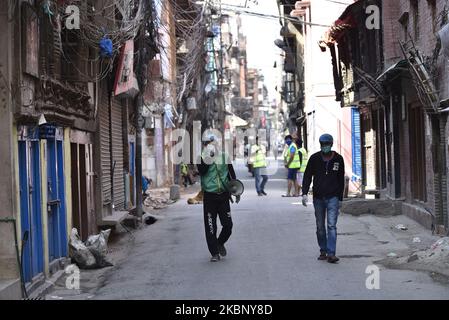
356, 145
105, 145
117, 155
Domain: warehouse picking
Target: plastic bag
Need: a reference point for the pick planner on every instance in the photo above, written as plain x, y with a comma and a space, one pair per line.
91, 254
79, 253
97, 245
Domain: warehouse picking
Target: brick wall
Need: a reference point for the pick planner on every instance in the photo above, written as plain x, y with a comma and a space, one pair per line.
391, 30
423, 29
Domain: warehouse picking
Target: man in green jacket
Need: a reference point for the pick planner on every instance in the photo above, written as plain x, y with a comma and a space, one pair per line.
215, 175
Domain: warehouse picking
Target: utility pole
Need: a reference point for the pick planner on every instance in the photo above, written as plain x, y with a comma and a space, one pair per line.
138, 104
220, 80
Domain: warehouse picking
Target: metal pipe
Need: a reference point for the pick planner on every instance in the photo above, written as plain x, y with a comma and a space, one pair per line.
19, 263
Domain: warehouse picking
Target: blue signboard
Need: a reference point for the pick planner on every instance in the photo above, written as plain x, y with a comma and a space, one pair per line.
47, 131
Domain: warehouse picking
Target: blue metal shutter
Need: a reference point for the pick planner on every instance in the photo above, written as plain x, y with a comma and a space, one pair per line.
356, 146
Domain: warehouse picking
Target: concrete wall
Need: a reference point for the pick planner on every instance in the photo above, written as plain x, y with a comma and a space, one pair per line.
8, 261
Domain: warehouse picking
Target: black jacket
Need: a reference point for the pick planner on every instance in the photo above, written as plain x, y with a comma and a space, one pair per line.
328, 177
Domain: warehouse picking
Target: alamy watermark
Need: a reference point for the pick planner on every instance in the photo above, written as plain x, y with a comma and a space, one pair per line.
72, 22
72, 281
373, 280
373, 20
210, 146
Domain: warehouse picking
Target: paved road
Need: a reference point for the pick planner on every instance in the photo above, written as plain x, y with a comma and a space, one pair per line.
271, 255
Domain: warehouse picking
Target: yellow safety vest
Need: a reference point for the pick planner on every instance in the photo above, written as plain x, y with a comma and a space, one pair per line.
286, 153
259, 160
305, 159
296, 163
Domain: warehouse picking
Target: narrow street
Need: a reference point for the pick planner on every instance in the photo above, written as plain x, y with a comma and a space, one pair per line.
271, 255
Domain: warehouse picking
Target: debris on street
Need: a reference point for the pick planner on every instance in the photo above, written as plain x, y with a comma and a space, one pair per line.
148, 219
433, 259
91, 254
158, 199
392, 255
401, 227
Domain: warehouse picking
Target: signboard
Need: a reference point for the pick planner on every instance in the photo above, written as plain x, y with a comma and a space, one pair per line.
47, 131
125, 80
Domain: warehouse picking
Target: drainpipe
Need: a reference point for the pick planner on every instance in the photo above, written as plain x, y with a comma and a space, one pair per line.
19, 263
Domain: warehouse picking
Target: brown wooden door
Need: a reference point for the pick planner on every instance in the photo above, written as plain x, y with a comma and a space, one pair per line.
417, 152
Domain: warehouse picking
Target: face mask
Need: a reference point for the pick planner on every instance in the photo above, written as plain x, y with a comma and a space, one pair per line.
288, 142
210, 150
326, 149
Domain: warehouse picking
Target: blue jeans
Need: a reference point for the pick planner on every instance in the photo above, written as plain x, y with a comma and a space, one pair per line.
260, 185
327, 242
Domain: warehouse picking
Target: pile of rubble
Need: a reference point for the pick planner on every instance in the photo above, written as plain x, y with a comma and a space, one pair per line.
434, 259
157, 199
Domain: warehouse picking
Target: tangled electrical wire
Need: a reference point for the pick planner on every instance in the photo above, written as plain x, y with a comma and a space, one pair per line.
97, 24
191, 32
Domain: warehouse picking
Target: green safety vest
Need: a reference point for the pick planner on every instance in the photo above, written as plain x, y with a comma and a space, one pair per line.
216, 177
184, 169
296, 163
260, 160
305, 160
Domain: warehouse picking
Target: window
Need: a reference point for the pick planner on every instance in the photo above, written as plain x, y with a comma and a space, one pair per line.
433, 12
403, 20
289, 91
415, 16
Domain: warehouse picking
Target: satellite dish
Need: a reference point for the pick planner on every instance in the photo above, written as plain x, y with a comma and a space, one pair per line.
236, 187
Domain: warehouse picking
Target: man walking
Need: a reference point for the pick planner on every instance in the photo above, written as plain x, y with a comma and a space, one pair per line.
327, 169
215, 175
292, 163
259, 161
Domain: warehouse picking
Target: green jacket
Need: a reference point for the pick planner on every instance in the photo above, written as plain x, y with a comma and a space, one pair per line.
217, 177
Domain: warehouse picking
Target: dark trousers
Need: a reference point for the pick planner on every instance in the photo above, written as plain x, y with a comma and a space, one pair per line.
187, 180
217, 205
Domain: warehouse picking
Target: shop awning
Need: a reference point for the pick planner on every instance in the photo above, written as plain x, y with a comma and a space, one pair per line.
393, 69
346, 21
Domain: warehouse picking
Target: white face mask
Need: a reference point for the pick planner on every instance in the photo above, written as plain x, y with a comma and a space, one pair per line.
211, 150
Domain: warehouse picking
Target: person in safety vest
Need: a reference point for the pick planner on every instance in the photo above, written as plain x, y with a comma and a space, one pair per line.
259, 161
293, 164
215, 174
304, 158
186, 179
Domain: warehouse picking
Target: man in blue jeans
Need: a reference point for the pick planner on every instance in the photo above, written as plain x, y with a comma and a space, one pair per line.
327, 168
259, 161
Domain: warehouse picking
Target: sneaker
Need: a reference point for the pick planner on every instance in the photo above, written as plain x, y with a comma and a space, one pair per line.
332, 259
260, 194
264, 193
323, 256
222, 250
215, 258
